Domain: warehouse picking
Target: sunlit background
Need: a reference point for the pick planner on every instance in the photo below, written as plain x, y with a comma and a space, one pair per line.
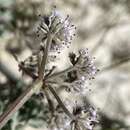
103, 26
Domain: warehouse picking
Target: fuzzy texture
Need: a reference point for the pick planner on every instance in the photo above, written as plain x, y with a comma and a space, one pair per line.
61, 27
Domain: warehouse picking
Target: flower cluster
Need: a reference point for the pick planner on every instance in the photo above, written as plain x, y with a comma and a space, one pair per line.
83, 71
85, 65
86, 70
85, 118
60, 27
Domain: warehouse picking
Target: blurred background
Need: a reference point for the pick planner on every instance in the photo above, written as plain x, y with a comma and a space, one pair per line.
103, 26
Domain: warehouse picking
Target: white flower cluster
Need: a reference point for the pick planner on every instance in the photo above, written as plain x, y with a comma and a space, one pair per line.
85, 118
85, 70
61, 27
85, 65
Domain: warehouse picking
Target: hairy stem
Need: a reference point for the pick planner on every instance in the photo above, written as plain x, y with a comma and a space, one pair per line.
44, 59
19, 102
60, 102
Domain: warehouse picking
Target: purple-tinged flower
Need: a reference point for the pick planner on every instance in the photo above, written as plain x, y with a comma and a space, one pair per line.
85, 118
85, 65
60, 27
85, 70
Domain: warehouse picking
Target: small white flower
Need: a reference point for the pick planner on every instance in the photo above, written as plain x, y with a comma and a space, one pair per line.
85, 65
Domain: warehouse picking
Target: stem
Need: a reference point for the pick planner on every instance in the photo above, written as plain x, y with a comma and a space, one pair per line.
55, 75
60, 102
19, 102
51, 107
44, 59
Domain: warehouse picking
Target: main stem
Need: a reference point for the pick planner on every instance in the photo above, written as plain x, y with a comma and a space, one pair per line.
19, 102
30, 90
44, 59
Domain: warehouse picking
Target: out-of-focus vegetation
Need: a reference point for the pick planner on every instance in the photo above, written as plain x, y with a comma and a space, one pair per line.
102, 25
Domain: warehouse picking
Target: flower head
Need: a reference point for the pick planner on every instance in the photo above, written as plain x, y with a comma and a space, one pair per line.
60, 27
85, 118
85, 70
85, 65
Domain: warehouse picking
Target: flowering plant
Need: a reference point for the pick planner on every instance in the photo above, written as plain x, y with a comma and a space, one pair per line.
56, 33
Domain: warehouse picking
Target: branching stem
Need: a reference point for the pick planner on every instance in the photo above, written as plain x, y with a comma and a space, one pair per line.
30, 90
